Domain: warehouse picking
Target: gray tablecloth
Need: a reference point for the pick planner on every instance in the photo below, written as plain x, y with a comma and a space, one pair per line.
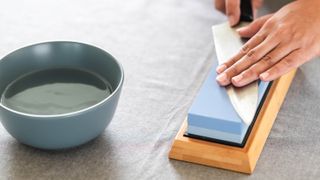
166, 49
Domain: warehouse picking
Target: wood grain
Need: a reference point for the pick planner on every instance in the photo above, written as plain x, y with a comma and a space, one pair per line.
234, 158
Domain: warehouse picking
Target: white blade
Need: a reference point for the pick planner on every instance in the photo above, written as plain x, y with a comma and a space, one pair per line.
228, 43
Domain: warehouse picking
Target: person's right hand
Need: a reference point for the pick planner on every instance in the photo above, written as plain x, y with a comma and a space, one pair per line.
278, 43
232, 9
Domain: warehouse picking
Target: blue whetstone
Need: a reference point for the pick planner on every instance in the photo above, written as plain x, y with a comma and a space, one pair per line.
212, 114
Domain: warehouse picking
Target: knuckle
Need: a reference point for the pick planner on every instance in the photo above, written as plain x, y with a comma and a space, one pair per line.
252, 55
281, 27
259, 37
244, 49
282, 30
275, 70
267, 60
270, 22
251, 72
297, 36
290, 63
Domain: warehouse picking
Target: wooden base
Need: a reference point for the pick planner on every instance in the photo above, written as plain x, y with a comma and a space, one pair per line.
234, 158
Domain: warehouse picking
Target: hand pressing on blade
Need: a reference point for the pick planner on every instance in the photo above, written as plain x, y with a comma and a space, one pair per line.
279, 43
232, 9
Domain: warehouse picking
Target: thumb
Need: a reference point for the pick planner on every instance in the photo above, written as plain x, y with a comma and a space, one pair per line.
251, 29
233, 11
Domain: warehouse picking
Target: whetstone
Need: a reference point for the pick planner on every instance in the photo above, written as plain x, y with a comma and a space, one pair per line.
229, 157
212, 115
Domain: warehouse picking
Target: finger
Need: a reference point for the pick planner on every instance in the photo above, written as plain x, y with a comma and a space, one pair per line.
256, 4
248, 75
252, 73
254, 27
249, 59
255, 54
220, 5
253, 42
233, 11
293, 60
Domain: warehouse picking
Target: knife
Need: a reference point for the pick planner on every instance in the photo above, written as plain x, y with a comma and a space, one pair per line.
227, 43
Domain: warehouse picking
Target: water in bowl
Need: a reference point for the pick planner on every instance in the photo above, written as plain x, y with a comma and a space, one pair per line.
55, 91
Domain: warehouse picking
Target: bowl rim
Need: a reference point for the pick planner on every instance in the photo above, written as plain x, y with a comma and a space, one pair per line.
119, 85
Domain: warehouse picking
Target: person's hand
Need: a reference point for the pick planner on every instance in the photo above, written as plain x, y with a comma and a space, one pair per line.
232, 9
279, 43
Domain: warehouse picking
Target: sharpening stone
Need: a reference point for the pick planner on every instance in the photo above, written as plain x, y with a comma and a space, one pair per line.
212, 116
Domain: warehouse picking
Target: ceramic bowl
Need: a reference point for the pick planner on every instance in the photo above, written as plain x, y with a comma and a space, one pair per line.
62, 130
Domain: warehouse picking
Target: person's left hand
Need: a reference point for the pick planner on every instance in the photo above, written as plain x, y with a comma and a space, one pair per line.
279, 43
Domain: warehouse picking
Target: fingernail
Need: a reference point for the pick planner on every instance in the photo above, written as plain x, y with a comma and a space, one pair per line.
232, 20
238, 78
221, 68
222, 78
264, 76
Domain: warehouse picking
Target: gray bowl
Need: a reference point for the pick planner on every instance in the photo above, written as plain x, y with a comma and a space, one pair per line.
62, 130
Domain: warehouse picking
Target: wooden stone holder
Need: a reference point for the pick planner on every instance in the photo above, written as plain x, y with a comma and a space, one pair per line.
229, 157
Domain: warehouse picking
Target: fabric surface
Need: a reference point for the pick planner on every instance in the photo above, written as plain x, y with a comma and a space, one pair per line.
166, 49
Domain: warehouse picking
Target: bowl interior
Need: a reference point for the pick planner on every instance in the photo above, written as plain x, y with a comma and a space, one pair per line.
59, 55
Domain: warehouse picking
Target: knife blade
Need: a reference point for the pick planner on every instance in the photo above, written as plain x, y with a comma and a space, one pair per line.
227, 43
